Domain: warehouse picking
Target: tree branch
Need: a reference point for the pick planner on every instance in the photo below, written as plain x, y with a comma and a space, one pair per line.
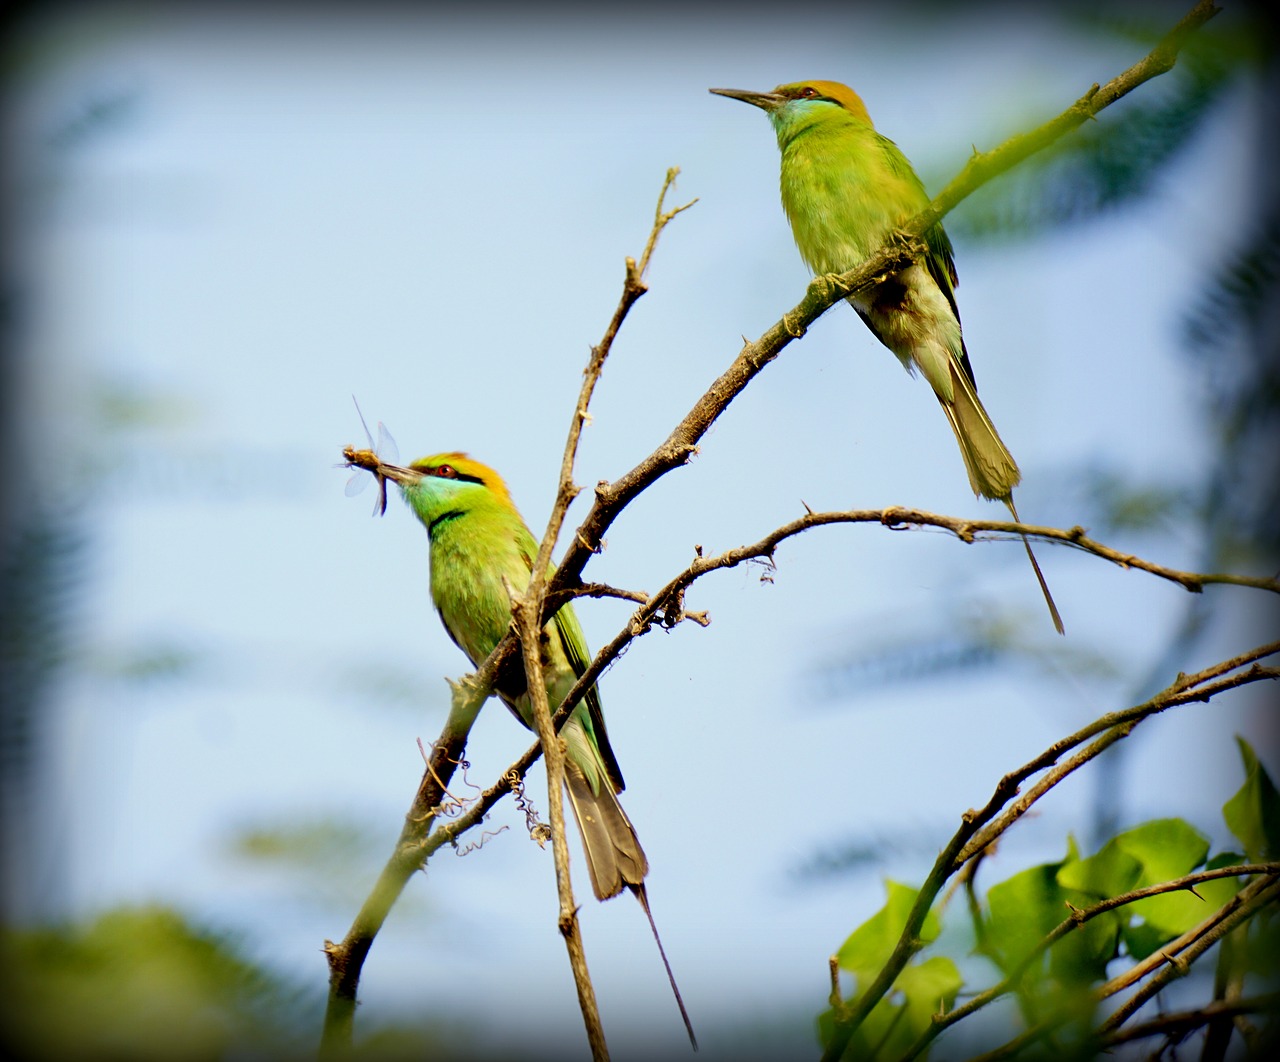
346, 960
1178, 1024
526, 612
415, 846
1235, 912
531, 608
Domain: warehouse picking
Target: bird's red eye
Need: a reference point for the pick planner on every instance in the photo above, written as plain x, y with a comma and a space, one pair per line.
808, 91
447, 472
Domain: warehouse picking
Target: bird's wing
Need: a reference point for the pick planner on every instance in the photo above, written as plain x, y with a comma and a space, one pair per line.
942, 268
939, 260
574, 643
575, 650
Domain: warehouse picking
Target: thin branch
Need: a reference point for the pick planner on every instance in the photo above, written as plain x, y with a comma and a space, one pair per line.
1178, 1024
416, 844
346, 959
526, 613
1228, 987
1239, 909
967, 530
531, 608
666, 607
982, 167
633, 287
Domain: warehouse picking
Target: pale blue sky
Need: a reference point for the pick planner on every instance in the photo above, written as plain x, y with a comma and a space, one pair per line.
432, 214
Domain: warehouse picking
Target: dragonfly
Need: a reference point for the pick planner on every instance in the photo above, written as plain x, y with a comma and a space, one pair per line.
372, 460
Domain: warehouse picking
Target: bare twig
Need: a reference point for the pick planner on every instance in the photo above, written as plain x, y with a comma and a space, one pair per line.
526, 613
531, 610
416, 843
633, 287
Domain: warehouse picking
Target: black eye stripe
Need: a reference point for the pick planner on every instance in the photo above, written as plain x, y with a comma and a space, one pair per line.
449, 472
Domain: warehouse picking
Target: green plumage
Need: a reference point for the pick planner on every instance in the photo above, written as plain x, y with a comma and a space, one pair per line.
845, 189
479, 543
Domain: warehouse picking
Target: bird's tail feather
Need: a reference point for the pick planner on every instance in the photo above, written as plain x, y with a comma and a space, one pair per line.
643, 897
614, 856
993, 473
1035, 566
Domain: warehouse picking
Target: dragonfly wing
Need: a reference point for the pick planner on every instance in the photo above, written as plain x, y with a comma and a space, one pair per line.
387, 449
356, 483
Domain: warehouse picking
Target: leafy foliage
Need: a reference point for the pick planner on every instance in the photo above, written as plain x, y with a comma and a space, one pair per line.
902, 1015
142, 984
1058, 943
1113, 161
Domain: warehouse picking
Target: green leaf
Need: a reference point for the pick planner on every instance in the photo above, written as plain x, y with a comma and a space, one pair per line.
897, 1021
1021, 911
929, 986
1253, 814
869, 946
1109, 873
1025, 908
1166, 848
1156, 921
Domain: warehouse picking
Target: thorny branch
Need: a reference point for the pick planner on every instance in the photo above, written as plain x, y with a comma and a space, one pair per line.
530, 609
1178, 1024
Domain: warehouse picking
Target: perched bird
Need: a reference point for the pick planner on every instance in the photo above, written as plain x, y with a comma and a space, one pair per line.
845, 188
481, 550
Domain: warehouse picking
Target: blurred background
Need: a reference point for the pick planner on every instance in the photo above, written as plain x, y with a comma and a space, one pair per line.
225, 221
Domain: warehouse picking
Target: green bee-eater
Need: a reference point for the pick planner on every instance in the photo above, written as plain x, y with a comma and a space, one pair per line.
844, 189
481, 552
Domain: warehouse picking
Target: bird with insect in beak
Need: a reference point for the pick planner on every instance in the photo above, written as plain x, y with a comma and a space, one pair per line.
481, 553
845, 188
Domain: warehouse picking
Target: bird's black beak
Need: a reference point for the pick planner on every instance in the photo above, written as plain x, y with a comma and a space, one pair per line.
397, 474
765, 100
